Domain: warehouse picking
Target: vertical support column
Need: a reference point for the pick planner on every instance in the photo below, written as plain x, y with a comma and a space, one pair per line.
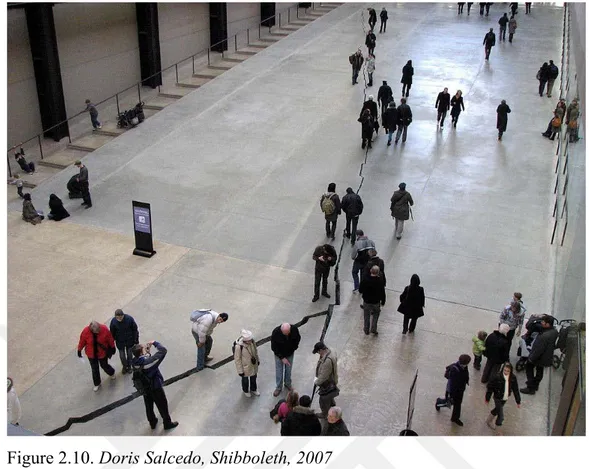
149, 43
218, 26
267, 14
45, 56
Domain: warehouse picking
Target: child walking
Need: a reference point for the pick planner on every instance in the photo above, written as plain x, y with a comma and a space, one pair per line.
478, 347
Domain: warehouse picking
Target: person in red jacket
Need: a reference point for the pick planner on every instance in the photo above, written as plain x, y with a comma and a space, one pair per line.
99, 346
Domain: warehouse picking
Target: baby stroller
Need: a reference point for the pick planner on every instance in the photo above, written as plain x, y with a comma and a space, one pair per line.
561, 342
533, 329
132, 117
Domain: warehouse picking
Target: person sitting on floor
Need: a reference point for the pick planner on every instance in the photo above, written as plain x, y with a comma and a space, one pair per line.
58, 211
28, 211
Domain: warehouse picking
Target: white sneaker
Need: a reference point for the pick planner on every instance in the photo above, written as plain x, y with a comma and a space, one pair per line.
96, 388
255, 393
113, 377
100, 126
247, 394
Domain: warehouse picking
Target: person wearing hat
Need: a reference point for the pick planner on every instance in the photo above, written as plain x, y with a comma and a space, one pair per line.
93, 115
84, 184
247, 362
400, 202
202, 330
125, 334
13, 409
326, 377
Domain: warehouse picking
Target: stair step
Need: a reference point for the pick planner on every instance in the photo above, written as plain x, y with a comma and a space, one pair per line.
249, 51
279, 32
222, 65
292, 27
259, 45
109, 129
194, 82
209, 73
160, 102
269, 39
237, 57
63, 159
175, 92
90, 142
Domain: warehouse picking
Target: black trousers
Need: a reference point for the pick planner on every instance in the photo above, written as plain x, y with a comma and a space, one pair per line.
372, 24
460, 8
157, 397
502, 33
491, 368
383, 26
86, 192
510, 336
510, 37
319, 276
487, 52
330, 228
103, 363
249, 383
534, 375
481, 8
370, 50
541, 86
406, 324
442, 116
353, 223
477, 362
456, 404
406, 88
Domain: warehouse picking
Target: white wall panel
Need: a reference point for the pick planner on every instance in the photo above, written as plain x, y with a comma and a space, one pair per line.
241, 16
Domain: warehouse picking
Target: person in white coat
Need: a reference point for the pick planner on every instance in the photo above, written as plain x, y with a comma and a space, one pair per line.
247, 362
204, 322
13, 412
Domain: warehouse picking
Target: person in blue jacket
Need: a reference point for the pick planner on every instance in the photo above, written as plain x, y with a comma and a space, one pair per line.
154, 393
125, 333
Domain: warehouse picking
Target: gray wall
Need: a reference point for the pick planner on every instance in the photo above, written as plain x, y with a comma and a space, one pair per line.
184, 30
241, 16
98, 50
24, 118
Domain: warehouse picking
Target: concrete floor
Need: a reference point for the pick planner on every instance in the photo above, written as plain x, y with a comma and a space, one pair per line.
234, 176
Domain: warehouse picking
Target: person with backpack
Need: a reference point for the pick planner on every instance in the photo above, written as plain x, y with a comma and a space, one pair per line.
496, 351
384, 16
326, 378
552, 76
204, 322
331, 206
247, 361
284, 342
489, 42
96, 340
404, 119
352, 206
501, 386
541, 355
400, 202
325, 257
555, 121
458, 378
412, 304
148, 380
542, 76
356, 60
503, 27
360, 256
374, 297
125, 334
442, 105
302, 421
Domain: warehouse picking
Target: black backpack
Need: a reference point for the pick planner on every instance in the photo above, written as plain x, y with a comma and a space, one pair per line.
447, 372
274, 411
141, 381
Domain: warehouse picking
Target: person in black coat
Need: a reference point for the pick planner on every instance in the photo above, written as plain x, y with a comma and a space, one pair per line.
335, 425
57, 210
368, 124
126, 334
541, 355
489, 42
503, 27
374, 296
404, 119
502, 111
407, 78
352, 206
325, 257
412, 304
302, 421
372, 261
457, 104
284, 342
458, 379
371, 17
384, 97
384, 16
372, 106
389, 120
496, 351
543, 75
496, 388
442, 105
331, 210
370, 41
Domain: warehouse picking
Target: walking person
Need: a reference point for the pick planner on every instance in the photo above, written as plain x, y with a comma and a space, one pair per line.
400, 202
93, 115
407, 79
204, 322
496, 351
468, 6
528, 7
513, 6
487, 7
360, 256
57, 211
326, 377
384, 97
125, 333
302, 421
502, 111
82, 179
503, 27
29, 213
461, 7
352, 206
373, 260
458, 379
98, 344
501, 386
371, 18
374, 296
481, 9
356, 61
246, 362
572, 115
542, 76
513, 316
149, 366
512, 27
457, 104
412, 304
541, 355
478, 348
442, 105
489, 42
325, 257
13, 407
368, 124
370, 42
284, 342
384, 16
370, 67
331, 207
17, 181
335, 424
552, 76
389, 121
404, 119
373, 108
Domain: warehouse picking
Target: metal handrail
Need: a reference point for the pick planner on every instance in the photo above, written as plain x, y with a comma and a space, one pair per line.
143, 80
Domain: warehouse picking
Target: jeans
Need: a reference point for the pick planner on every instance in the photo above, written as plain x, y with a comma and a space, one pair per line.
391, 132
374, 311
510, 37
357, 267
202, 352
455, 119
157, 397
103, 362
330, 228
550, 85
498, 411
94, 120
407, 325
283, 370
399, 228
401, 129
126, 356
487, 52
406, 88
383, 26
541, 87
442, 116
248, 383
353, 222
321, 275
355, 72
534, 375
502, 34
491, 368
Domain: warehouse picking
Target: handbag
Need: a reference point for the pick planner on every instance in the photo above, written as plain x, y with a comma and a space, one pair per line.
572, 124
328, 390
556, 122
